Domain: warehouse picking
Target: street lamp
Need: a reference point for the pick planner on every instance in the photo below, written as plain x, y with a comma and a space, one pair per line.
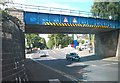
110, 17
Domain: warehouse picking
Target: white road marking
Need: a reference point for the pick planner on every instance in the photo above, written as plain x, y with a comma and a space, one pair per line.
106, 64
93, 65
54, 81
54, 51
51, 57
109, 64
29, 55
114, 63
58, 71
75, 64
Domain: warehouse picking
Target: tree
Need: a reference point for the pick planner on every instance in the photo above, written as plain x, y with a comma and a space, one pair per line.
43, 43
50, 44
35, 40
106, 10
61, 40
82, 41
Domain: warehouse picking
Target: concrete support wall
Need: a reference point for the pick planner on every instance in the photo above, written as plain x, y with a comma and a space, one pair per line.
118, 46
106, 43
13, 48
0, 47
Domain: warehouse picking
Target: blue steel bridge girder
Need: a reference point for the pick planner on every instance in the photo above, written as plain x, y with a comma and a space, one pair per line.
68, 20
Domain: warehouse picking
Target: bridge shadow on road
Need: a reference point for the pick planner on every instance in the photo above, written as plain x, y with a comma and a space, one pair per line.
90, 58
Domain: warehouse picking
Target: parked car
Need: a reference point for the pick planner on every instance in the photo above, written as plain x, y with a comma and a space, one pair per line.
72, 56
43, 53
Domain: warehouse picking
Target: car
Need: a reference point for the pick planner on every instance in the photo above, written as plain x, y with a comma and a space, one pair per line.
72, 56
43, 53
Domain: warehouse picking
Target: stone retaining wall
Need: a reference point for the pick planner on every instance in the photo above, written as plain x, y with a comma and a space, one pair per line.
12, 55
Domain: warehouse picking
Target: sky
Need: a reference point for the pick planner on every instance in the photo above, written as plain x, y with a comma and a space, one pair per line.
82, 5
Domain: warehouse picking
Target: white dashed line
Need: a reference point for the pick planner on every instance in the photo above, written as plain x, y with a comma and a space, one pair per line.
54, 81
93, 65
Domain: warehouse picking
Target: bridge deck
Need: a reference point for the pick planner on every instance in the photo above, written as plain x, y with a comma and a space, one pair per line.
46, 29
67, 20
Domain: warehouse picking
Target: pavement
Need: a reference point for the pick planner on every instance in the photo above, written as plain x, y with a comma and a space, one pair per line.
112, 59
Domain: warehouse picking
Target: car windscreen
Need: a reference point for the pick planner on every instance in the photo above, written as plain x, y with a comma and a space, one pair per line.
72, 53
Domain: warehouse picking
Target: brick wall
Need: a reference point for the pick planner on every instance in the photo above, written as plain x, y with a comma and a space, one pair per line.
12, 55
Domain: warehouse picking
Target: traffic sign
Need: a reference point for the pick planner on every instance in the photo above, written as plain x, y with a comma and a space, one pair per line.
65, 20
74, 20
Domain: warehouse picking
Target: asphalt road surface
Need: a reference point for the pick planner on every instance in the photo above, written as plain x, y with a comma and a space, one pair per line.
56, 67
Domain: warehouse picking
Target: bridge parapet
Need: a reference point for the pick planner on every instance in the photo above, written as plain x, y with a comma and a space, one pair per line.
41, 15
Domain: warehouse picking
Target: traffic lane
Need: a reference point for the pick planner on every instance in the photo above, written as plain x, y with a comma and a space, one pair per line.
98, 68
60, 66
37, 54
64, 65
93, 61
57, 54
51, 53
40, 73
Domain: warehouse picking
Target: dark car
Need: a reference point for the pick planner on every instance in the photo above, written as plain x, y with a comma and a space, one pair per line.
72, 56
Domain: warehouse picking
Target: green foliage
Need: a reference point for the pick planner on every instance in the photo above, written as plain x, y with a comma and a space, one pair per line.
35, 40
85, 36
92, 37
106, 9
56, 40
50, 44
82, 41
42, 42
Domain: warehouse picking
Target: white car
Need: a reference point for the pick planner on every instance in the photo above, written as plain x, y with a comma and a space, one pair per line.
43, 53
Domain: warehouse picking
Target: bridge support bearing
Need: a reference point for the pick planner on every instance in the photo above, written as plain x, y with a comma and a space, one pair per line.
106, 43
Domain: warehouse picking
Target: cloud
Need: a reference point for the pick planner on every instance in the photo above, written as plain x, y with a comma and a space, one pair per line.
19, 1
69, 1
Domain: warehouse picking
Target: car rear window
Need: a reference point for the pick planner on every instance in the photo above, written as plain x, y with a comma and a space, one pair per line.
72, 53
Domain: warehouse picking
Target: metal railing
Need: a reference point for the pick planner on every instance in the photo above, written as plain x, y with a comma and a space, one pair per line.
60, 11
52, 10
